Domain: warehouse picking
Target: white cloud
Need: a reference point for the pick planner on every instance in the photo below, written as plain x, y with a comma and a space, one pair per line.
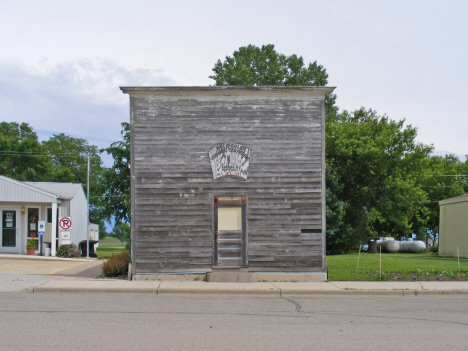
80, 98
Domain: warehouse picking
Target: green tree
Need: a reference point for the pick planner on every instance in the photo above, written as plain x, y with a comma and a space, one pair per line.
69, 156
121, 231
443, 178
22, 157
378, 163
339, 233
116, 181
251, 65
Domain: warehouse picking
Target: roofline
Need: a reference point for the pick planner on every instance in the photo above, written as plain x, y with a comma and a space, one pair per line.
59, 196
461, 198
29, 187
223, 90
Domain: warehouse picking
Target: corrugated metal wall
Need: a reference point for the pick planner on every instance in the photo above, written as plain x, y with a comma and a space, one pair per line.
10, 191
454, 229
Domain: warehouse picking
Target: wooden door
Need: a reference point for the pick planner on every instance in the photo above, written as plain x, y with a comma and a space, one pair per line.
230, 243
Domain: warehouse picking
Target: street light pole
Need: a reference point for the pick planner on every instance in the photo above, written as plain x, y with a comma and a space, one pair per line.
87, 213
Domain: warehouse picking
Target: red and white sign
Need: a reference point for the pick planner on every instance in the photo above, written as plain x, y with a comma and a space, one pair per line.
65, 238
65, 223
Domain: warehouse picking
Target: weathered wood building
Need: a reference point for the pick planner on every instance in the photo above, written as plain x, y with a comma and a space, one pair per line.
228, 177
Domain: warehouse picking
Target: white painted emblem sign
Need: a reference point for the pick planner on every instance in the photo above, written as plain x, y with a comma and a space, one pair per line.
229, 160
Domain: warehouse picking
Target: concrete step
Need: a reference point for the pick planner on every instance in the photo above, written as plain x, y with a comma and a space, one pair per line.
225, 274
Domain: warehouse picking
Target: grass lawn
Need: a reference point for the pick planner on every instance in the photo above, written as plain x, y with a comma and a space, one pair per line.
108, 246
395, 266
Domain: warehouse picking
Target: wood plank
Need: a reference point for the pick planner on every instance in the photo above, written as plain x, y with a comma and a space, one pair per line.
173, 188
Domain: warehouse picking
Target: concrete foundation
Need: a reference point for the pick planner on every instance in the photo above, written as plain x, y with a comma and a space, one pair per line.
175, 277
245, 276
237, 276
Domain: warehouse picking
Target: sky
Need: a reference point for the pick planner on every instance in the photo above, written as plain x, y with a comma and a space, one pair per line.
62, 62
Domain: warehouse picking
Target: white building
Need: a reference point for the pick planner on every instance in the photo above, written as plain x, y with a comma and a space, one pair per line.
24, 204
453, 228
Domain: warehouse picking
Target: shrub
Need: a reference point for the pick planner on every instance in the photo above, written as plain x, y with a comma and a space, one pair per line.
31, 243
116, 265
68, 251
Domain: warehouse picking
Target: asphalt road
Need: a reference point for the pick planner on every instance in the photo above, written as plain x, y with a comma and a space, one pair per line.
52, 321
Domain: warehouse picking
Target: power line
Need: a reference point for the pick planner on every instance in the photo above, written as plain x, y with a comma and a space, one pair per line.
446, 175
440, 186
108, 196
21, 153
26, 153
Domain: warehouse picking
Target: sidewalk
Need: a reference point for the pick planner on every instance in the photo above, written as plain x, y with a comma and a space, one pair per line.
22, 273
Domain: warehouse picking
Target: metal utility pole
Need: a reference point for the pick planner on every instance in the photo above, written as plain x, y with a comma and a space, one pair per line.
87, 213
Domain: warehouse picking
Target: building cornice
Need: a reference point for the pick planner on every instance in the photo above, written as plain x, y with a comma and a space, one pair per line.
229, 90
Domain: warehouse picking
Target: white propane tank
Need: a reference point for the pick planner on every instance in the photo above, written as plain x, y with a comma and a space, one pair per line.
389, 246
412, 246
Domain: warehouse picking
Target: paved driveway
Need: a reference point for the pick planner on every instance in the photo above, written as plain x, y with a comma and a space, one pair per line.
22, 273
77, 268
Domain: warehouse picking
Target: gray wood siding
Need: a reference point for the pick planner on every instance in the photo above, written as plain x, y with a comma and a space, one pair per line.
173, 186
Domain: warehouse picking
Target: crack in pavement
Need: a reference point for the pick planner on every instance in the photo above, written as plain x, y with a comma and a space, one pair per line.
35, 287
279, 289
298, 307
157, 288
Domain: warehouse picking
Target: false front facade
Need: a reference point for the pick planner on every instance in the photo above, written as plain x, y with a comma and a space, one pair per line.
227, 178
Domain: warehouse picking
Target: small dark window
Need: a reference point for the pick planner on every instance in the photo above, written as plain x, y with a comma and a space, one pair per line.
49, 215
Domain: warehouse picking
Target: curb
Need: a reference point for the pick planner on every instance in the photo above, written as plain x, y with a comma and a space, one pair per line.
157, 289
377, 293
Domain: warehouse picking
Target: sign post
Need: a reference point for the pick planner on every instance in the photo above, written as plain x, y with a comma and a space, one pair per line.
41, 232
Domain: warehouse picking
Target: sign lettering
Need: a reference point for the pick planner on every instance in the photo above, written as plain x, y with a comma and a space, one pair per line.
65, 238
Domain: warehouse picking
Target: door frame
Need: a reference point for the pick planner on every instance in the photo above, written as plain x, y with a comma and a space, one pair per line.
19, 241
26, 226
230, 201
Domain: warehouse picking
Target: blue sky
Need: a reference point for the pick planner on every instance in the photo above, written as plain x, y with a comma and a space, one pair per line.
62, 62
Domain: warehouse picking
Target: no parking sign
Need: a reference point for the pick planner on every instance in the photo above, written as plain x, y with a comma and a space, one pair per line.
65, 223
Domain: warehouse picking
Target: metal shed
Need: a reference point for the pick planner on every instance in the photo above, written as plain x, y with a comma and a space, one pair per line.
453, 228
228, 180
